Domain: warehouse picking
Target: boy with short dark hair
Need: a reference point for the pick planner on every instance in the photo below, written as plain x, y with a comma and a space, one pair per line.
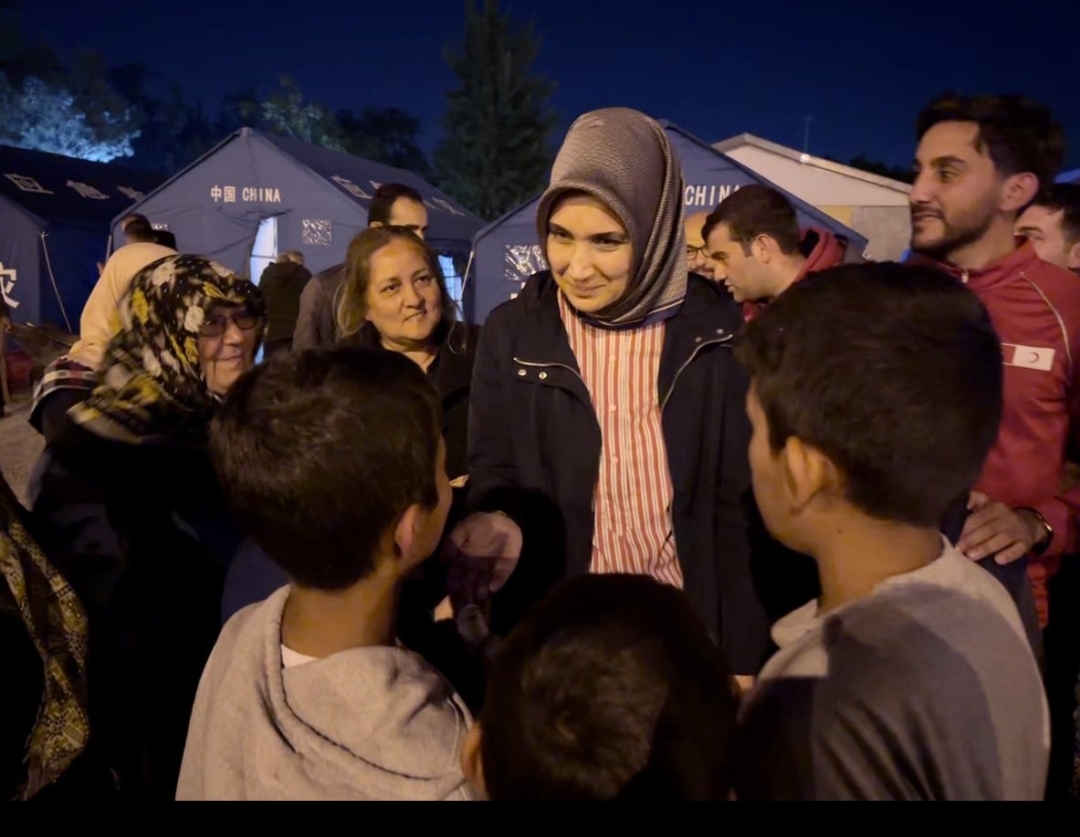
333, 462
911, 677
610, 689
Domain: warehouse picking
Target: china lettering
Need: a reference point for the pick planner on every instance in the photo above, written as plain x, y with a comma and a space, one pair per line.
708, 195
247, 194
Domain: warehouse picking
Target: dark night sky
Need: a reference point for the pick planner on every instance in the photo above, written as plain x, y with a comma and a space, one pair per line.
716, 68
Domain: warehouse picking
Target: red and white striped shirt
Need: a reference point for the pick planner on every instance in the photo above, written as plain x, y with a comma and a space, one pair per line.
632, 501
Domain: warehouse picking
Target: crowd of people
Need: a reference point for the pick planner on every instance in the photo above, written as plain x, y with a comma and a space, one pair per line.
714, 509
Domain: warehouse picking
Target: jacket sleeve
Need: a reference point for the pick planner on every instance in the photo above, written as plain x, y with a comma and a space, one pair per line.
306, 335
496, 482
492, 464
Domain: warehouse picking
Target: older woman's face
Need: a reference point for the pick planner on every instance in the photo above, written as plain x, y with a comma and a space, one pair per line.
403, 297
227, 345
590, 254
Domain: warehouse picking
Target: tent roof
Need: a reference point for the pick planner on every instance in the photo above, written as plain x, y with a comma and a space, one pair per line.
354, 177
66, 190
741, 140
460, 225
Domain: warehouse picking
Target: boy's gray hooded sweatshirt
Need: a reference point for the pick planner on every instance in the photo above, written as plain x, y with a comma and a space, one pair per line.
367, 723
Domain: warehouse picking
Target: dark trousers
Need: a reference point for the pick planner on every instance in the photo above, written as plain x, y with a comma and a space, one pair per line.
1062, 673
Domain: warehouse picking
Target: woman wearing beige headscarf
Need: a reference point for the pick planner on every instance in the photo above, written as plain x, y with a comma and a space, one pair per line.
607, 421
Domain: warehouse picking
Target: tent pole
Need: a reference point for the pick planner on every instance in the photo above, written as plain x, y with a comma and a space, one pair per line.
56, 290
465, 283
465, 278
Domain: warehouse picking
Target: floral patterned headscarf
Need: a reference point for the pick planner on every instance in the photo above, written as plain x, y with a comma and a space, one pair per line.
153, 384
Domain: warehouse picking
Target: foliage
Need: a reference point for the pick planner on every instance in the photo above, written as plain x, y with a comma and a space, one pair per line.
496, 150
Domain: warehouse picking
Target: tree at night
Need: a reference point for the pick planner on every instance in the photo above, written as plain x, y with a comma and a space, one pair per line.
49, 104
286, 112
496, 151
385, 135
41, 117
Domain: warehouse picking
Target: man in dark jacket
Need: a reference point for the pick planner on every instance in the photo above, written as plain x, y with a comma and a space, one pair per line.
282, 284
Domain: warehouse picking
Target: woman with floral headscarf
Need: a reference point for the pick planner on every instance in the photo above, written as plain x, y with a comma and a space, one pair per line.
128, 506
607, 430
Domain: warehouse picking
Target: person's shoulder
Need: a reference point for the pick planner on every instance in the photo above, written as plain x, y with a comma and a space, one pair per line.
1062, 287
708, 298
133, 257
937, 626
538, 290
242, 633
406, 701
331, 275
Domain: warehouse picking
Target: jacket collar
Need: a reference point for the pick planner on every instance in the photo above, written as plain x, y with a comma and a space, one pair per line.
1023, 258
451, 371
707, 315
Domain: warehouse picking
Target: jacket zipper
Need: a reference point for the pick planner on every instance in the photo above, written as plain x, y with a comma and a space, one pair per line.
688, 361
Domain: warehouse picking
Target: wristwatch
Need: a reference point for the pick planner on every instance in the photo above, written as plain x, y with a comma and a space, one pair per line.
1044, 542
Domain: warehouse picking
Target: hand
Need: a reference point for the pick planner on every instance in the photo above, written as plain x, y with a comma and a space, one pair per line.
482, 551
5, 324
994, 529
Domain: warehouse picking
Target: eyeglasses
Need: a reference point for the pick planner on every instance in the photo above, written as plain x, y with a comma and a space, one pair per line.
216, 326
696, 251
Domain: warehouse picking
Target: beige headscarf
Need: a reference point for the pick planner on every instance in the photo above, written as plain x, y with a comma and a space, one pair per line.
624, 159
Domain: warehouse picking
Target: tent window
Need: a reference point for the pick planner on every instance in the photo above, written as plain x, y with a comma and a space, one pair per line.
453, 279
265, 249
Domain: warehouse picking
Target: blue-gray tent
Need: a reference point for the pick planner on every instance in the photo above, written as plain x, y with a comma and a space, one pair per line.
506, 252
257, 194
1069, 176
55, 215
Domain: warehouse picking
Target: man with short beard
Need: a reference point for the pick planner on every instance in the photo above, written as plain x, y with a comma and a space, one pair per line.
980, 162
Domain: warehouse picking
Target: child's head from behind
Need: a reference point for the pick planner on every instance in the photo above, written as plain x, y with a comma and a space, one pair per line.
609, 689
876, 390
332, 460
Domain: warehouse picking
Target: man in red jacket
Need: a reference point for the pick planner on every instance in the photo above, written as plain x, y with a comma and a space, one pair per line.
979, 163
754, 238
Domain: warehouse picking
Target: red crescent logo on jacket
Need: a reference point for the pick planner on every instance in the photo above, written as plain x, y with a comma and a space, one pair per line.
1028, 357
